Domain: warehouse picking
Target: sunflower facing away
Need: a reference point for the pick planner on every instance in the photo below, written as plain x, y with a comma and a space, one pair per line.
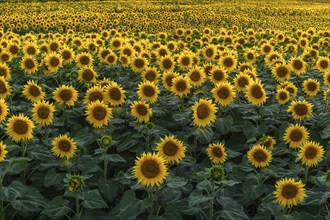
3, 109
98, 114
20, 128
301, 109
259, 156
204, 112
42, 112
65, 95
171, 149
255, 93
288, 192
217, 153
224, 93
296, 135
63, 146
33, 92
150, 170
3, 151
311, 153
141, 111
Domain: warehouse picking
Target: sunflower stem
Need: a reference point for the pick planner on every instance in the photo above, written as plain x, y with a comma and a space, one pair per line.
195, 147
151, 199
105, 165
306, 174
212, 202
77, 207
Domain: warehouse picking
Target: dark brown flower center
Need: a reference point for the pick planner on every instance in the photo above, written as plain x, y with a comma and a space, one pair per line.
310, 152
29, 64
242, 82
209, 52
218, 75
94, 96
296, 135
228, 62
3, 72
111, 59
301, 109
65, 94
150, 75
31, 51
3, 88
127, 52
88, 75
256, 92
297, 64
139, 63
66, 55
162, 52
267, 49
148, 91
20, 127
283, 96
54, 62
181, 85
115, 94
282, 71
185, 61
99, 113
311, 86
203, 111
54, 46
5, 57
13, 49
324, 64
223, 93
195, 76
64, 145
289, 191
250, 56
150, 169
84, 60
141, 109
34, 90
170, 148
217, 152
116, 43
260, 156
43, 112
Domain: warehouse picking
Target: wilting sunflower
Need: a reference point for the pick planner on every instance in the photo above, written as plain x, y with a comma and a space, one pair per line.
296, 135
259, 156
297, 65
311, 87
166, 64
150, 169
301, 109
87, 74
115, 94
255, 93
311, 153
167, 79
65, 95
196, 76
5, 71
224, 93
5, 89
242, 80
139, 64
84, 60
94, 93
63, 146
141, 111
3, 151
42, 113
228, 62
217, 153
323, 64
218, 75
148, 91
288, 192
53, 62
98, 114
3, 109
281, 72
204, 112
181, 86
326, 78
282, 96
29, 64
33, 92
267, 141
20, 128
171, 149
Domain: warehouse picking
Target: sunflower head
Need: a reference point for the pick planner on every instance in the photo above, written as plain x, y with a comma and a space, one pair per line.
311, 87
204, 112
75, 182
282, 96
301, 109
171, 149
42, 112
224, 93
148, 91
255, 93
289, 193
311, 153
64, 146
141, 111
217, 172
67, 95
196, 76
20, 128
33, 92
217, 153
296, 135
105, 141
3, 109
259, 156
3, 151
181, 86
267, 141
115, 94
98, 114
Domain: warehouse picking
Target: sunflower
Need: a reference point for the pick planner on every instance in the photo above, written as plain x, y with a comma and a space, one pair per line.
255, 93
20, 128
196, 76
33, 92
94, 93
87, 74
29, 64
209, 52
5, 56
139, 64
311, 87
242, 80
267, 141
181, 86
141, 111
295, 135
124, 60
204, 112
3, 109
282, 96
218, 75
67, 54
151, 74
288, 192
171, 149
65, 95
115, 43
326, 95
5, 71
3, 151
63, 146
53, 46
217, 153
297, 65
259, 156
53, 62
115, 94
266, 48
185, 60
148, 91
301, 109
326, 78
150, 169
84, 60
98, 114
228, 62
13, 49
224, 93
111, 58
166, 64
5, 89
323, 64
311, 153
42, 113
281, 72
31, 49
167, 79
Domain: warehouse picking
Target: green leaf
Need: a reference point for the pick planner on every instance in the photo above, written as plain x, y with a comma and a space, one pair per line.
176, 182
172, 212
52, 178
93, 200
182, 118
114, 158
15, 190
204, 135
57, 208
233, 214
31, 201
196, 197
223, 125
252, 191
249, 130
18, 164
109, 190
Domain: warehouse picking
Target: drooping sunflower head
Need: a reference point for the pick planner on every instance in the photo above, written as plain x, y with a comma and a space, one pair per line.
296, 135
105, 141
181, 86
42, 112
311, 153
29, 64
171, 149
33, 92
20, 128
63, 146
3, 151
150, 170
67, 95
301, 110
289, 193
141, 111
217, 153
5, 89
75, 182
148, 91
267, 141
224, 93
5, 71
323, 64
204, 113
98, 114
259, 156
255, 93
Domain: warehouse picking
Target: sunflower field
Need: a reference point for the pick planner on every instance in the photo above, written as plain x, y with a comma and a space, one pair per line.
163, 110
